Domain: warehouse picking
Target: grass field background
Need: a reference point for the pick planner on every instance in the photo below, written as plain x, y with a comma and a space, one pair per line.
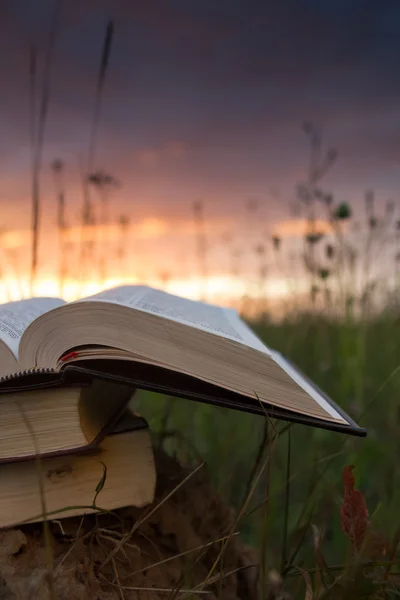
356, 363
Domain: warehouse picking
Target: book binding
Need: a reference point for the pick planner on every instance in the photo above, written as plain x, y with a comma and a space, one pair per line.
159, 379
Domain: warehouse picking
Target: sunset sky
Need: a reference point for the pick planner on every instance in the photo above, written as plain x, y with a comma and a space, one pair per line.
202, 100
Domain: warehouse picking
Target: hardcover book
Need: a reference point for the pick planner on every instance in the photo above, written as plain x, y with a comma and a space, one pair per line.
146, 338
123, 462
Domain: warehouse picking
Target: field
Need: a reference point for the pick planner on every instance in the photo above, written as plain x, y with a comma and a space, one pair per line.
356, 363
285, 482
187, 220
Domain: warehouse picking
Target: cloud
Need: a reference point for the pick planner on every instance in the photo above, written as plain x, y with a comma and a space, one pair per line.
151, 157
296, 228
207, 99
147, 228
175, 149
148, 158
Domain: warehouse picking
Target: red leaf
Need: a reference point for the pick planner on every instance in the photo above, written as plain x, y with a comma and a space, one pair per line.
354, 516
348, 479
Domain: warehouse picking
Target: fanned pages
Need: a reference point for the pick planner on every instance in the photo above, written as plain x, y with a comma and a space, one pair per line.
58, 420
14, 319
71, 481
208, 343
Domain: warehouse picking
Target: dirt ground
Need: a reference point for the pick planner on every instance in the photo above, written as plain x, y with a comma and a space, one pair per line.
101, 557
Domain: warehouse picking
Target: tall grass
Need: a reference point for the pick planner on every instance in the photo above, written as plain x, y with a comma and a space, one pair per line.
347, 346
201, 246
37, 130
304, 486
87, 249
57, 167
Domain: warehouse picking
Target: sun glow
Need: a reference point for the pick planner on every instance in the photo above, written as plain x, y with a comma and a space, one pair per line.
222, 289
155, 252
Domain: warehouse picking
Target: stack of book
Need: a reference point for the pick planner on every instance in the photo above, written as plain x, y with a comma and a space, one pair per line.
70, 451
68, 370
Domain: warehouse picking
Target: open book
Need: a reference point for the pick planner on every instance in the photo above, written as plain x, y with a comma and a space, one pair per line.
154, 340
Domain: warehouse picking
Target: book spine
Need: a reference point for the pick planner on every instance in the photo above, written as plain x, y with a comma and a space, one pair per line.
27, 372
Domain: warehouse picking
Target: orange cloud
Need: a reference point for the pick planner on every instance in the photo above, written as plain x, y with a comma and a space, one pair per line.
150, 157
175, 149
10, 240
148, 228
300, 227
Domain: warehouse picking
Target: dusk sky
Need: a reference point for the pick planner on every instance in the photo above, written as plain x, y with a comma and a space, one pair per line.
203, 100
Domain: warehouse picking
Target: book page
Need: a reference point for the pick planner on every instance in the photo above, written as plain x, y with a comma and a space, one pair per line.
224, 322
307, 386
126, 295
16, 316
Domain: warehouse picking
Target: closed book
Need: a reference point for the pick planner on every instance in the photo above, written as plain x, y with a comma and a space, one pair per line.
65, 486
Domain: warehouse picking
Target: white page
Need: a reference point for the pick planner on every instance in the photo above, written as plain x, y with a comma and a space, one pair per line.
126, 295
224, 322
16, 316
